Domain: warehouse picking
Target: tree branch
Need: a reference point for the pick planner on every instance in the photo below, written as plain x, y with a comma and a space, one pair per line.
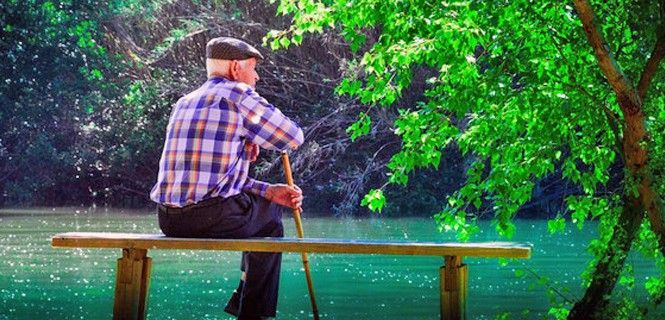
126, 39
628, 99
170, 51
8, 174
649, 197
612, 118
547, 283
631, 105
651, 67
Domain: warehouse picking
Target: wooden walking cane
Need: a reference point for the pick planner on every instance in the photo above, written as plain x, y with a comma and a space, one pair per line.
296, 218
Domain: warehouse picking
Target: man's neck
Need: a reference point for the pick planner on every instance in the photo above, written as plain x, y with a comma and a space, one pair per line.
219, 75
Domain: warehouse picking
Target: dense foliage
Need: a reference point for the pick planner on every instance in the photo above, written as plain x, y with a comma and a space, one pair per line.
529, 90
47, 74
58, 78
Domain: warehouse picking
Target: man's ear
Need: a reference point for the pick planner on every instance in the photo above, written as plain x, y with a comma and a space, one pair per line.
235, 69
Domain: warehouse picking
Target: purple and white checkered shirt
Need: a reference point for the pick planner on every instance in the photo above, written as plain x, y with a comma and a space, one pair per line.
207, 152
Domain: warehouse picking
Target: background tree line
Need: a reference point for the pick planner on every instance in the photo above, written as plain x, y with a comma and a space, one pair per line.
88, 85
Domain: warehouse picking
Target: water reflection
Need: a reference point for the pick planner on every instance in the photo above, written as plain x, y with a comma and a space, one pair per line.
37, 281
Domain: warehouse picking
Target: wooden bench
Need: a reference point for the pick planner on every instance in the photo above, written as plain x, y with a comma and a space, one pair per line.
133, 275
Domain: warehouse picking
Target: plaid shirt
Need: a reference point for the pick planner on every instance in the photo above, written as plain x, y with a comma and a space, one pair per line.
207, 152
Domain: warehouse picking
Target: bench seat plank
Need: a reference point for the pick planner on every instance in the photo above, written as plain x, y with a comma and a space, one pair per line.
314, 245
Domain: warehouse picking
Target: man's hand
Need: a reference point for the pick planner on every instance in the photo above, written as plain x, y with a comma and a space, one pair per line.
288, 196
252, 150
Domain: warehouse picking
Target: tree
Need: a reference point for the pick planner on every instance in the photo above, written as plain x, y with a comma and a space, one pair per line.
50, 73
524, 88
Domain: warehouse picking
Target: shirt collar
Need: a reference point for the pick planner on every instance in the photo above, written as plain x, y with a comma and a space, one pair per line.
218, 78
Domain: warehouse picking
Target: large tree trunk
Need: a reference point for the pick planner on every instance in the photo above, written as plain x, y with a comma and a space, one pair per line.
631, 102
609, 267
635, 158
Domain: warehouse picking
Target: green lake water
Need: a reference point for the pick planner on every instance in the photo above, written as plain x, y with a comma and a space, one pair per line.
40, 282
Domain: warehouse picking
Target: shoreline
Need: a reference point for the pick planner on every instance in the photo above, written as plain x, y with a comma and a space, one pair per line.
48, 211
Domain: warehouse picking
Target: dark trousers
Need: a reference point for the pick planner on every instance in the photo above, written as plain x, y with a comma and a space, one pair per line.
241, 216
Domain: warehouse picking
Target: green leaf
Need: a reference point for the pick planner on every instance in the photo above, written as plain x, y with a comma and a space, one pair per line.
519, 273
274, 44
97, 74
284, 42
374, 200
558, 313
655, 287
627, 280
360, 127
557, 225
297, 39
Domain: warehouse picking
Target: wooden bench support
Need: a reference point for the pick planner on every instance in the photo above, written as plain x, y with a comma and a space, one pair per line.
453, 277
131, 285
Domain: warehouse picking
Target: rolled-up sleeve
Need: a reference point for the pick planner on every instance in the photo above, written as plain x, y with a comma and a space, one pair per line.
256, 187
266, 125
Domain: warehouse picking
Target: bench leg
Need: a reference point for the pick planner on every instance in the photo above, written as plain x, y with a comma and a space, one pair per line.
131, 285
453, 285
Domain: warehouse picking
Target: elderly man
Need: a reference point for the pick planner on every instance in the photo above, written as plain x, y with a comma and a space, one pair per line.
203, 188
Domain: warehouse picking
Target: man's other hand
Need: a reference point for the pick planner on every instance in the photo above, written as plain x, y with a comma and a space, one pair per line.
288, 196
252, 150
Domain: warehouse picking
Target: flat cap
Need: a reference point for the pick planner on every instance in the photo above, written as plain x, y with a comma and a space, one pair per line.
227, 48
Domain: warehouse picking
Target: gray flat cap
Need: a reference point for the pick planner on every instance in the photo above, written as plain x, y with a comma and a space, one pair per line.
226, 48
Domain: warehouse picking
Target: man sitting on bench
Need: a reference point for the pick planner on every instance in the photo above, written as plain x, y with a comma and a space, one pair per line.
203, 189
